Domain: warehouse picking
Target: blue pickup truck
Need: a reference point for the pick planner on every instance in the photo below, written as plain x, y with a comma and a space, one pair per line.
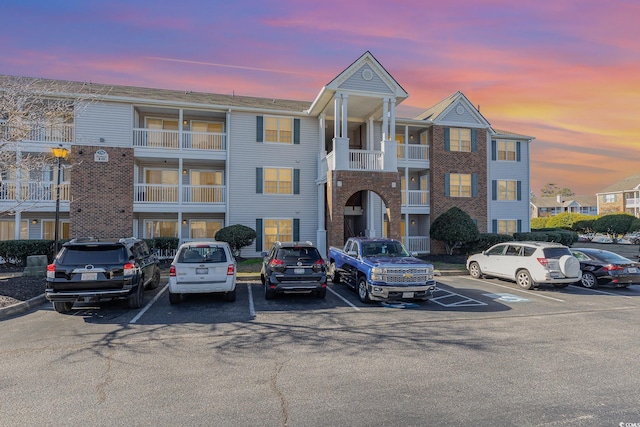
380, 269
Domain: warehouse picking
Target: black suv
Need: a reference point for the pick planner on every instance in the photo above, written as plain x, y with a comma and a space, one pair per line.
293, 267
91, 270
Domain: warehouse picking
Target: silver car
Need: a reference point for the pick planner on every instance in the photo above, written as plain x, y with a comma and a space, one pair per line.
202, 267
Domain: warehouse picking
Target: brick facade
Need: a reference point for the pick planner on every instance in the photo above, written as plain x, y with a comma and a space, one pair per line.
443, 162
101, 193
384, 184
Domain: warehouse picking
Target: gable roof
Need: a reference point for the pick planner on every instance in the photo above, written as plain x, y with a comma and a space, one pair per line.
629, 183
456, 108
511, 135
552, 202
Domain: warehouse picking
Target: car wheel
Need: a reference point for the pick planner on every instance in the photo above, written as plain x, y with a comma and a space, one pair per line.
363, 292
156, 279
332, 273
321, 293
136, 300
523, 279
268, 293
231, 295
589, 280
474, 270
174, 298
62, 307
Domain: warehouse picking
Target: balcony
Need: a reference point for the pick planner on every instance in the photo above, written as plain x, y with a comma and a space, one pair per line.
172, 140
32, 191
413, 152
344, 159
419, 244
416, 202
169, 194
37, 133
632, 202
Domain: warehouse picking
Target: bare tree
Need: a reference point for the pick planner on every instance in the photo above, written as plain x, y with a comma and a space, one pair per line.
35, 116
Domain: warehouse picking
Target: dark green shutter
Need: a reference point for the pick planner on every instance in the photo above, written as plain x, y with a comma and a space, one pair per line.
519, 190
296, 229
259, 128
494, 224
494, 149
447, 139
296, 181
474, 140
494, 190
296, 131
259, 180
519, 226
518, 151
474, 184
258, 234
446, 185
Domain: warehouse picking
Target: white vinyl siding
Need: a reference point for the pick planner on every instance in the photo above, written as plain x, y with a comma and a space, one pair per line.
104, 124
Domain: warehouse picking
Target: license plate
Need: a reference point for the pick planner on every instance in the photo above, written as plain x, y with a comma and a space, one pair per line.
298, 271
407, 295
89, 276
632, 270
202, 271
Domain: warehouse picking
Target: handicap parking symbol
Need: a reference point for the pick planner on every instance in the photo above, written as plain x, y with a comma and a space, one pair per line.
506, 297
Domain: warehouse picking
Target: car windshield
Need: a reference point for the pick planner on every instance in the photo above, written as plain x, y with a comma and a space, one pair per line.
202, 253
93, 254
384, 249
298, 253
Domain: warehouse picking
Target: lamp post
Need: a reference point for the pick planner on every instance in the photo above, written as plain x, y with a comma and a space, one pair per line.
59, 153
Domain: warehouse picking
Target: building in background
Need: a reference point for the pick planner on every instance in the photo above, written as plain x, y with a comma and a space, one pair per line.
160, 163
621, 197
551, 206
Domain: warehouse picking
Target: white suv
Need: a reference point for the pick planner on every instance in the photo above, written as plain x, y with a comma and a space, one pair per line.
527, 263
202, 267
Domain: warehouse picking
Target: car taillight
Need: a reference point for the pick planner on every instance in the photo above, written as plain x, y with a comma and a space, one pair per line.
230, 269
544, 262
51, 271
318, 265
276, 262
172, 271
320, 262
612, 267
129, 269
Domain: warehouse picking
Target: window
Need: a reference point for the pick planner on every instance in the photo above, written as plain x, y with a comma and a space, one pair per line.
278, 129
610, 198
153, 228
459, 185
49, 230
277, 230
278, 181
507, 226
206, 186
207, 135
204, 229
7, 230
507, 190
459, 139
506, 150
161, 185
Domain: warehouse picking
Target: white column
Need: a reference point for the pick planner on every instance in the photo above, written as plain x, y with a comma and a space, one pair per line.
370, 128
345, 116
18, 217
180, 129
385, 119
392, 124
321, 232
337, 114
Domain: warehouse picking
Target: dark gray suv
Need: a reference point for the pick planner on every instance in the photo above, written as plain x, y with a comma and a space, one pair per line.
293, 267
93, 270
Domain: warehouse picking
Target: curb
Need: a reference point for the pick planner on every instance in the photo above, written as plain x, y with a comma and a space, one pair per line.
21, 306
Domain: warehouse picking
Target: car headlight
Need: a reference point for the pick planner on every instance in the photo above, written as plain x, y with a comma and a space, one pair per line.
376, 273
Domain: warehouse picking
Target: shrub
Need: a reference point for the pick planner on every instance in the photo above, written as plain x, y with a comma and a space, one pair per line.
484, 242
237, 236
540, 222
454, 228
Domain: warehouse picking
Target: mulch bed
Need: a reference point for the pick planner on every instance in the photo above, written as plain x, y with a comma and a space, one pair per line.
20, 288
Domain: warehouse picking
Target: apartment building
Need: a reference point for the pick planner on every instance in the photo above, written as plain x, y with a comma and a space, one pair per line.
150, 162
620, 197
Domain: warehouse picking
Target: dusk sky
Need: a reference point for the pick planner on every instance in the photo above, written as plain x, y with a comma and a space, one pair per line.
565, 71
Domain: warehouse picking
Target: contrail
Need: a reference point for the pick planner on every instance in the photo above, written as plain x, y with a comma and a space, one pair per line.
229, 66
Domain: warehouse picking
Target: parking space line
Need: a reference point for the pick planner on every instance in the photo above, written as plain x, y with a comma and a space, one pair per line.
252, 309
149, 304
343, 299
465, 302
517, 289
602, 292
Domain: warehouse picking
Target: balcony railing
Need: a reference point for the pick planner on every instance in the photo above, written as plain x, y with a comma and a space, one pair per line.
170, 139
632, 202
413, 152
32, 191
35, 133
415, 198
420, 244
164, 193
367, 160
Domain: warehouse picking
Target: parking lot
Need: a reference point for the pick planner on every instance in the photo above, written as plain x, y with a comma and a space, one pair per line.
482, 352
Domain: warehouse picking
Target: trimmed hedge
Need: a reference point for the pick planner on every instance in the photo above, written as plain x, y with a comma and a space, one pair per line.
17, 251
485, 241
564, 237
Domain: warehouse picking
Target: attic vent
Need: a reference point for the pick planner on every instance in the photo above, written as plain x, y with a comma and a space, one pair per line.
367, 74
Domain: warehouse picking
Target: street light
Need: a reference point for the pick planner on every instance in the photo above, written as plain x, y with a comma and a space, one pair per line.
59, 153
